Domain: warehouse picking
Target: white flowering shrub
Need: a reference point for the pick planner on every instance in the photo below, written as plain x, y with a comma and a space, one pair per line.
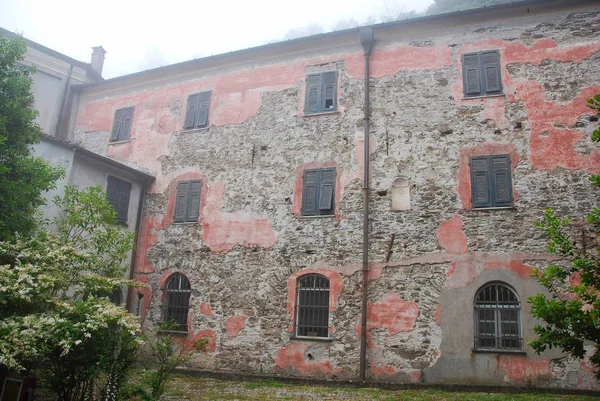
53, 316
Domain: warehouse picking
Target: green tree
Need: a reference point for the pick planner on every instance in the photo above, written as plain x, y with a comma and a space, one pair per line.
572, 313
23, 177
54, 313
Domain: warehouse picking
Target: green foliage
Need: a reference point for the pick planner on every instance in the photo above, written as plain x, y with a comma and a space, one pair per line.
572, 314
270, 382
594, 104
23, 177
53, 316
166, 353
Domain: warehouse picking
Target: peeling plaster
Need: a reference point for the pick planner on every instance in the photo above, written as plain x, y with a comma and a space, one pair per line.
291, 359
451, 236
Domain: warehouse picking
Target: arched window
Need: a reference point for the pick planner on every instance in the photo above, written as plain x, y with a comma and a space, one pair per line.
312, 306
497, 318
177, 301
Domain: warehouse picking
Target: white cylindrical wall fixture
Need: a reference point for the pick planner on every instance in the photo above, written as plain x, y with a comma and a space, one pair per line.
401, 194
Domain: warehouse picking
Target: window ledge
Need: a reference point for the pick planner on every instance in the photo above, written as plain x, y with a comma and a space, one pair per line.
477, 209
484, 96
119, 142
322, 339
183, 131
174, 332
322, 113
182, 223
324, 216
498, 351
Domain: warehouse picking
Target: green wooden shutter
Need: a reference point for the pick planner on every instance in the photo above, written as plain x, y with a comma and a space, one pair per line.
480, 182
313, 93
192, 109
471, 74
327, 191
112, 189
490, 64
123, 201
330, 90
183, 189
309, 192
127, 121
193, 201
501, 181
203, 107
117, 123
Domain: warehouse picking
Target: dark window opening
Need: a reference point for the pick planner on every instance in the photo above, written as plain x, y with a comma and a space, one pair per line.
187, 205
196, 115
121, 129
482, 73
321, 92
312, 306
497, 319
118, 193
115, 296
318, 192
177, 302
491, 182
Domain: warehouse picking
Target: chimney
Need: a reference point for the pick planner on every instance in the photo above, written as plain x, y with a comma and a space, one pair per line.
98, 59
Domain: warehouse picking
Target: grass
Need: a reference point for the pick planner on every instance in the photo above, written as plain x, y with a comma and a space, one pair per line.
203, 389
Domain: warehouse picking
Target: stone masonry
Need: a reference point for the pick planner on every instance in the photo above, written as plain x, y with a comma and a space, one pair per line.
251, 243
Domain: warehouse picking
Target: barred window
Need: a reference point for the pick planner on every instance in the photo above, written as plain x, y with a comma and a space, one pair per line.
177, 301
497, 318
312, 306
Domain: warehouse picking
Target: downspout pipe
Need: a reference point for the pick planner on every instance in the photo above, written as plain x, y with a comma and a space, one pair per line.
138, 228
366, 40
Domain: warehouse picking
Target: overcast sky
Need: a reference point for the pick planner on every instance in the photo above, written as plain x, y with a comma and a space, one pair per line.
145, 34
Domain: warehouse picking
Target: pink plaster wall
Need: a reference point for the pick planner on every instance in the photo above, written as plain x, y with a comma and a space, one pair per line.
451, 236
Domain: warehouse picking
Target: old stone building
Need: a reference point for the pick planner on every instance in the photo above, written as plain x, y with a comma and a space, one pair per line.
252, 233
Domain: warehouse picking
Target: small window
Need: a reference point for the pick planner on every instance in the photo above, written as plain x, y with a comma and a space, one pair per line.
118, 193
177, 301
321, 92
121, 129
497, 318
481, 73
312, 306
491, 183
115, 296
196, 115
318, 192
187, 206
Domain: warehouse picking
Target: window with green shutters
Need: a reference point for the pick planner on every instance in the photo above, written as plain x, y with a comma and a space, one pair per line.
187, 205
318, 192
196, 115
481, 73
321, 92
121, 130
491, 183
118, 193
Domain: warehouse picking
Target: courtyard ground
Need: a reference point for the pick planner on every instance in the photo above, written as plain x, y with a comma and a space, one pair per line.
198, 388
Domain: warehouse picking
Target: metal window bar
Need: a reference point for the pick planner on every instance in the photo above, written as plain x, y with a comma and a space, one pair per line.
177, 301
312, 306
497, 319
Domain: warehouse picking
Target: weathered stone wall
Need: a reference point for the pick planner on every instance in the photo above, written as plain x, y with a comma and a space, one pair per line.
250, 244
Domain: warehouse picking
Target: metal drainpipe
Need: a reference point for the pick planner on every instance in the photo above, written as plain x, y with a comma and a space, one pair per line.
366, 40
135, 245
63, 100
